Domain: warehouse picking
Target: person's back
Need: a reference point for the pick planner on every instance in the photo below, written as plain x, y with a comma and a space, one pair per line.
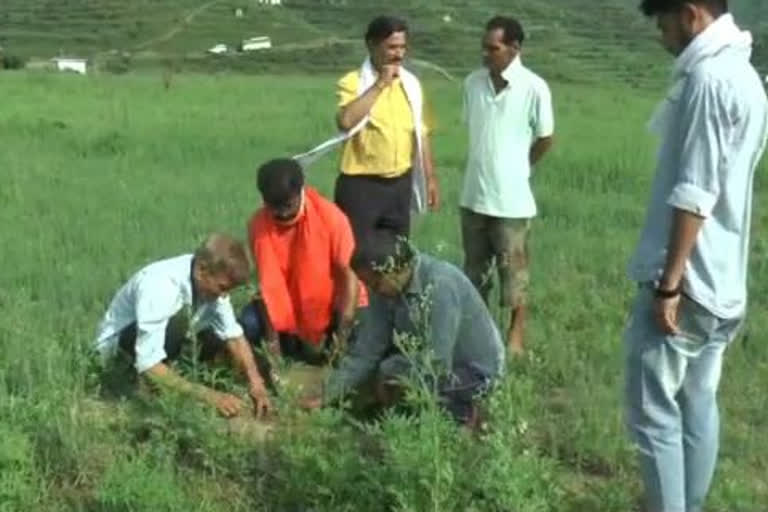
123, 304
477, 341
435, 303
157, 291
744, 109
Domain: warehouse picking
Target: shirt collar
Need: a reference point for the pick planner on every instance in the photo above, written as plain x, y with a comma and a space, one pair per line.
722, 33
512, 69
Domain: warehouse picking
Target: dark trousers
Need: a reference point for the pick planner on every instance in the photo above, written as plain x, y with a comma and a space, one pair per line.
373, 203
253, 320
175, 338
457, 393
460, 392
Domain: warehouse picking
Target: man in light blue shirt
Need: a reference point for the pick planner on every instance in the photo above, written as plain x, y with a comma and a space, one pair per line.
691, 260
169, 301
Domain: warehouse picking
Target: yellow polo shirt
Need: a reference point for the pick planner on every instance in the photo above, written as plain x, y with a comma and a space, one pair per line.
385, 146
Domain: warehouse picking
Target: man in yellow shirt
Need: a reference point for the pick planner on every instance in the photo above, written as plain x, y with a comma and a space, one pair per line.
379, 162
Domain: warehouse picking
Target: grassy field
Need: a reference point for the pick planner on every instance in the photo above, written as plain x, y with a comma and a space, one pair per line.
101, 175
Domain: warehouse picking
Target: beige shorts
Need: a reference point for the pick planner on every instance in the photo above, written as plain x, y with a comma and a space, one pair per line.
501, 244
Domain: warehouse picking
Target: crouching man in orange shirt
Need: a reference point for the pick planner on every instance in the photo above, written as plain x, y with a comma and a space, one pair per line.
302, 245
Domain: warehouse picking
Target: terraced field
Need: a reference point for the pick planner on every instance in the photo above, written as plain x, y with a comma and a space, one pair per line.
574, 40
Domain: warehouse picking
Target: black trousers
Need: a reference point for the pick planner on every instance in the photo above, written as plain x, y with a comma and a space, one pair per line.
373, 204
175, 338
254, 323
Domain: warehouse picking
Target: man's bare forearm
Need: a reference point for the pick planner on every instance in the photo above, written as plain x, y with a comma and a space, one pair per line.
682, 239
426, 154
166, 379
349, 298
539, 149
242, 357
350, 115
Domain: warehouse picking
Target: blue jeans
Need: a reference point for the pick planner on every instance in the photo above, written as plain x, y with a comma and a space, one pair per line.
671, 400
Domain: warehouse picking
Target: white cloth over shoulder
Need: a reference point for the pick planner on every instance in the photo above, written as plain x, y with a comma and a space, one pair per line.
415, 97
720, 35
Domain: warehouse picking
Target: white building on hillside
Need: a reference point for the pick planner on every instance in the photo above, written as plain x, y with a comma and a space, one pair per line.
219, 49
71, 64
257, 43
269, 2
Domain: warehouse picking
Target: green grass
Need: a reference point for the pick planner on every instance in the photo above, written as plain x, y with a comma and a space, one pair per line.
103, 174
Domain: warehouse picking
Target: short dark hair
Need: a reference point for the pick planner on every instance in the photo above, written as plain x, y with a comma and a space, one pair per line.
654, 7
513, 30
382, 27
280, 180
383, 252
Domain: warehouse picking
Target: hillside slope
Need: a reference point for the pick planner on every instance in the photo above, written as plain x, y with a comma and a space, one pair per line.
579, 40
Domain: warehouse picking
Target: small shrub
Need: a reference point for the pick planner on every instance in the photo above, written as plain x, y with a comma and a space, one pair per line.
118, 65
12, 62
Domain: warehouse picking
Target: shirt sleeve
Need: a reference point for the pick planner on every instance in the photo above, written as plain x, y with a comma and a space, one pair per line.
701, 148
544, 117
223, 321
156, 303
373, 340
346, 89
342, 241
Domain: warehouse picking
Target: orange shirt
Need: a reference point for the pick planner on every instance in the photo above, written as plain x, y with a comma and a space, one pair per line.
342, 248
300, 264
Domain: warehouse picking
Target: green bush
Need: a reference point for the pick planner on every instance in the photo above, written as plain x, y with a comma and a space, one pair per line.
12, 62
119, 64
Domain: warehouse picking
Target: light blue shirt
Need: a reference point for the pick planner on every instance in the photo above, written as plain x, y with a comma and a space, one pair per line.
150, 298
715, 136
502, 127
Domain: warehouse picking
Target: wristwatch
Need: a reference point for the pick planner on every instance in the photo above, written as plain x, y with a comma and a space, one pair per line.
668, 294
